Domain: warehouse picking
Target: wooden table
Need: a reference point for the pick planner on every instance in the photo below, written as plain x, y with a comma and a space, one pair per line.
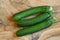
10, 7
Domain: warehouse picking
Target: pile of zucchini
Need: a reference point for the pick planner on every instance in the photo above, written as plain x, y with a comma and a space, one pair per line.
43, 20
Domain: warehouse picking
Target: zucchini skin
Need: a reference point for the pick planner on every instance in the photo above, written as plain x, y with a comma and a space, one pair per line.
35, 28
35, 20
31, 11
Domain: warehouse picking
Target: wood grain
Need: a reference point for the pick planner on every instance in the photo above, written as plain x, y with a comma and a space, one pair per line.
9, 7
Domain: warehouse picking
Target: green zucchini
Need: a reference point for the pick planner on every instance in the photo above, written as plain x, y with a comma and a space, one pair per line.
32, 21
36, 27
31, 11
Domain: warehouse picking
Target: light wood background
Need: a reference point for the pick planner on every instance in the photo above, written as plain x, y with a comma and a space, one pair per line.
10, 7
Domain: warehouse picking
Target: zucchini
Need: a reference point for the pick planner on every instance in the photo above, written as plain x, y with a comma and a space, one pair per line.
31, 11
36, 27
32, 21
